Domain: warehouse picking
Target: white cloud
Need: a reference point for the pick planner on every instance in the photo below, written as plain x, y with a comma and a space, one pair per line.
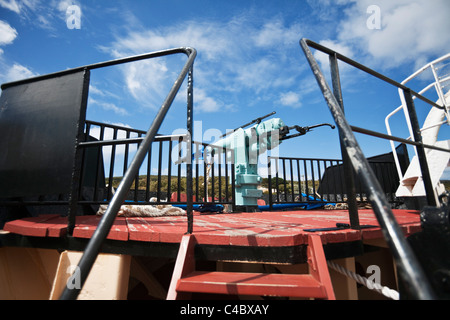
108, 106
112, 107
146, 81
291, 99
233, 56
42, 14
341, 48
20, 6
256, 74
198, 35
18, 72
205, 103
411, 31
62, 5
274, 33
10, 5
7, 33
326, 10
94, 90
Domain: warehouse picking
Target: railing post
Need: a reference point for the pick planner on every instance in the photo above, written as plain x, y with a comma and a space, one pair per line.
78, 159
348, 170
189, 191
409, 268
94, 245
269, 166
431, 199
233, 184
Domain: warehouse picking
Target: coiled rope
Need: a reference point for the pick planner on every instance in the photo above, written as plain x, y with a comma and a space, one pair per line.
387, 292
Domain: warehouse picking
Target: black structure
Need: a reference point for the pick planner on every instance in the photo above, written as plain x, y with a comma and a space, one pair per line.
42, 123
383, 167
312, 183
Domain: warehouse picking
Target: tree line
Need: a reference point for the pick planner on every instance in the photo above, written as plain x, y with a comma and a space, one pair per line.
215, 185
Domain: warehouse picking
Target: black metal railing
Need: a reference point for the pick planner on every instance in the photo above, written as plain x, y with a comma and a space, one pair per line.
93, 247
214, 180
297, 180
312, 182
409, 269
162, 177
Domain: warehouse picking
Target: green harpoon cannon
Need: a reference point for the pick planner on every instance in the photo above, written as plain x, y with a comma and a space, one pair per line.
246, 145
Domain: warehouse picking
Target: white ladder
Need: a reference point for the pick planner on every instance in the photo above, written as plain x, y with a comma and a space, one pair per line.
411, 183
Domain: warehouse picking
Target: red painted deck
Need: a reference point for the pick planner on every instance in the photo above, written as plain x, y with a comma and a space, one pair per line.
273, 229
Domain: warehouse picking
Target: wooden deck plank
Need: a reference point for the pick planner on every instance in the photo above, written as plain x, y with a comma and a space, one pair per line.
140, 229
260, 229
57, 228
85, 227
289, 285
265, 229
33, 227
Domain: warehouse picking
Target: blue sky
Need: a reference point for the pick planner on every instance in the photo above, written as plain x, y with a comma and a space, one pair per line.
249, 60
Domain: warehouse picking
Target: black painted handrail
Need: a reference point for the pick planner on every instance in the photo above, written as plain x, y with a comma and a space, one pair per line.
93, 248
410, 271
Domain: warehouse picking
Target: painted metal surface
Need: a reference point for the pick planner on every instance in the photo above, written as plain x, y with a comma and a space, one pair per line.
247, 145
105, 224
39, 126
409, 269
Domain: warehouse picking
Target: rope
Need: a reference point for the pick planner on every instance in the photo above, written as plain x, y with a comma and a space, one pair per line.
387, 292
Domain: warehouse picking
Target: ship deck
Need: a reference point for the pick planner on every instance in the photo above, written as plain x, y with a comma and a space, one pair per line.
271, 237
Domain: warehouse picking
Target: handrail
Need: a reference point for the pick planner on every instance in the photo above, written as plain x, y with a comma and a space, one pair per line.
431, 65
410, 271
394, 138
128, 140
93, 247
437, 86
99, 65
368, 70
